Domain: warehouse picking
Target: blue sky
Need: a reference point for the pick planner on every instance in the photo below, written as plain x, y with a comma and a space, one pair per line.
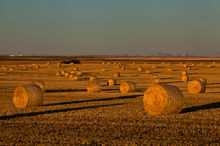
110, 27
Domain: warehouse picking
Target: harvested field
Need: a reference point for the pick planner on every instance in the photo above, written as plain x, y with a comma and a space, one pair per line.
71, 115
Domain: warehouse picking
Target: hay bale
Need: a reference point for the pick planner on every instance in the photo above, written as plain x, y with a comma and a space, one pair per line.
94, 87
140, 69
162, 100
134, 63
27, 96
184, 73
39, 83
127, 86
111, 82
103, 62
196, 86
116, 74
122, 68
185, 78
58, 74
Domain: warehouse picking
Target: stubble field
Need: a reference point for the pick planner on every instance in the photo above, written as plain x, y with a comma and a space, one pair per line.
71, 115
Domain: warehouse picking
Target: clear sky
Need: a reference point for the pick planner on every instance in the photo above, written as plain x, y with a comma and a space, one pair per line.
110, 27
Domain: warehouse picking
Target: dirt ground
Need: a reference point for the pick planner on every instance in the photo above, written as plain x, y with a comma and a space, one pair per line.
70, 115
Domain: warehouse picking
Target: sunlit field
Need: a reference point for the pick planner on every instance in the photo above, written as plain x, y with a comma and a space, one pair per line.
71, 115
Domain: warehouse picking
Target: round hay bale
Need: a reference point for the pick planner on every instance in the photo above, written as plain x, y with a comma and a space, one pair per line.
27, 96
94, 87
111, 82
140, 68
127, 86
39, 83
116, 74
203, 80
196, 86
185, 78
162, 100
184, 73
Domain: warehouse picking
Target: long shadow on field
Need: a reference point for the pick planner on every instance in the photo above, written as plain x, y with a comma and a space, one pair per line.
201, 107
65, 90
213, 84
91, 100
53, 111
172, 82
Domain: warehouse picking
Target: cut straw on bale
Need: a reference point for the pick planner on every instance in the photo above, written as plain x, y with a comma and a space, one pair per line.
196, 86
127, 86
94, 87
27, 96
111, 82
39, 83
163, 100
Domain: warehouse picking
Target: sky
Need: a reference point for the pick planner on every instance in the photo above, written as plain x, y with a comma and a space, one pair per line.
110, 27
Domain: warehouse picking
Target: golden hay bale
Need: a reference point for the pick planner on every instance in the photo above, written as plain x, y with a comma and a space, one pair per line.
94, 87
58, 74
203, 80
39, 83
75, 69
74, 78
163, 100
111, 82
93, 79
196, 86
185, 78
213, 62
145, 63
134, 63
67, 74
116, 74
103, 62
27, 96
127, 86
184, 73
140, 68
148, 72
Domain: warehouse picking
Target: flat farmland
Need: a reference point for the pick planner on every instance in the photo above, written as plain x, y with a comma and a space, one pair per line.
71, 115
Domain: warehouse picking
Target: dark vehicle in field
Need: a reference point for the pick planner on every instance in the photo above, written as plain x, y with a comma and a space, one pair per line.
70, 61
